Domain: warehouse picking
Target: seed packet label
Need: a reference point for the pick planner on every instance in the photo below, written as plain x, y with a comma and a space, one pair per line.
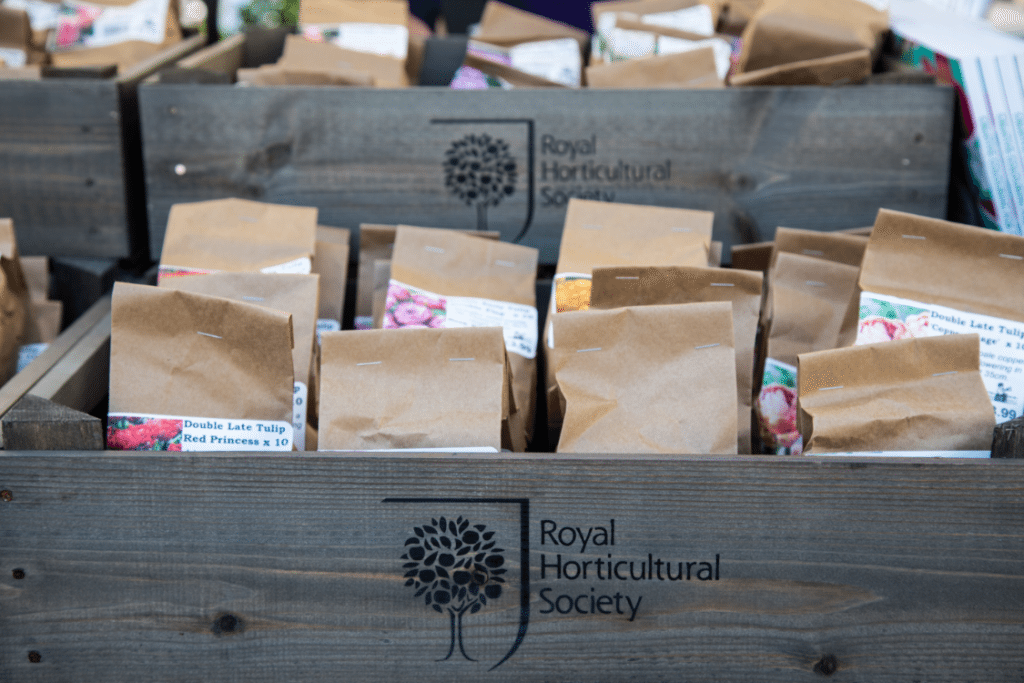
556, 60
327, 325
28, 353
299, 266
41, 14
886, 318
364, 322
138, 432
83, 24
696, 19
569, 292
413, 307
387, 40
776, 409
13, 57
299, 406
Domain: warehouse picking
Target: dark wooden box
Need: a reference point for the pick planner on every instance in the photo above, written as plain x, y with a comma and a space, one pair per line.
70, 161
807, 157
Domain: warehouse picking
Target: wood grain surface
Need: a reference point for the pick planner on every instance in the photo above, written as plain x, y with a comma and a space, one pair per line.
822, 158
272, 568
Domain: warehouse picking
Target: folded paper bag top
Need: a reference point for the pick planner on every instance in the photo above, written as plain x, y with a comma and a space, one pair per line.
655, 285
414, 389
913, 394
176, 355
648, 379
238, 235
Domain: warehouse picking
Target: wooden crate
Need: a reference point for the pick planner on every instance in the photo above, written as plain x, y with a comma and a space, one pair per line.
46, 405
296, 568
71, 162
822, 158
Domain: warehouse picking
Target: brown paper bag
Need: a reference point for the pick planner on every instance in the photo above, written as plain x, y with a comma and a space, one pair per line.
809, 300
444, 278
608, 234
302, 54
15, 321
330, 262
238, 235
693, 69
294, 294
81, 50
785, 31
414, 389
648, 379
190, 372
925, 276
502, 24
476, 58
636, 286
272, 74
846, 68
910, 395
639, 8
15, 37
375, 244
37, 276
378, 30
353, 11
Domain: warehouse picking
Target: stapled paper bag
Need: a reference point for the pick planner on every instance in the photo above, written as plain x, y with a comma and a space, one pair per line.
908, 395
444, 278
238, 235
610, 234
16, 324
293, 294
645, 286
648, 379
809, 300
190, 372
925, 277
414, 389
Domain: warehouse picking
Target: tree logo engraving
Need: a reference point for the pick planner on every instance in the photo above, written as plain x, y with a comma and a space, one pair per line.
480, 171
456, 569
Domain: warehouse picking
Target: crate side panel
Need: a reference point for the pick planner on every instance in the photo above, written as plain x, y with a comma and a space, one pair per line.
297, 568
822, 158
61, 175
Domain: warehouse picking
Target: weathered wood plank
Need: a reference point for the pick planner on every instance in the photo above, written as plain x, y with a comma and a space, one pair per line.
24, 381
217, 567
81, 378
824, 158
65, 144
37, 424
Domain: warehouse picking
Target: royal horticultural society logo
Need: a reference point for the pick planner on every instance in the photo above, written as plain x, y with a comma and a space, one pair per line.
456, 568
481, 172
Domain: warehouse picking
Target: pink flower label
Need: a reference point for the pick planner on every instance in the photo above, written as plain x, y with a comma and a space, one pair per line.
411, 307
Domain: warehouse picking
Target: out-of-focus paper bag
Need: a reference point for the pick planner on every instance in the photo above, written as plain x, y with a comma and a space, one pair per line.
342, 63
294, 294
924, 276
15, 321
190, 372
644, 286
648, 379
784, 31
15, 37
694, 69
414, 389
331, 263
122, 32
375, 244
809, 300
609, 234
240, 236
502, 24
847, 68
910, 395
379, 28
543, 65
444, 278
272, 74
